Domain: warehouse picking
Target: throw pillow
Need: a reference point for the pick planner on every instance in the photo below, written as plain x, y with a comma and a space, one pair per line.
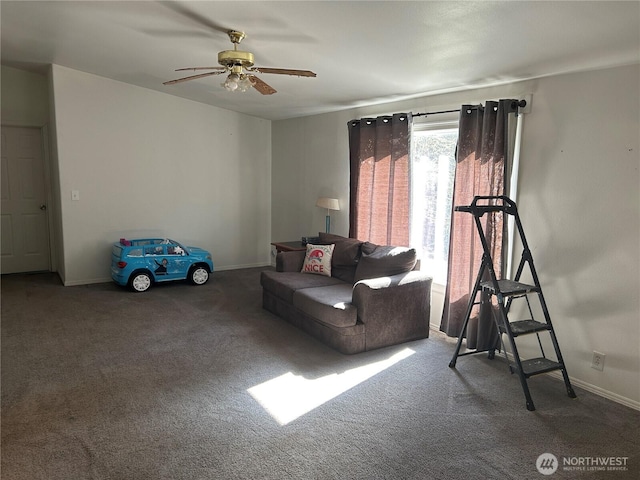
385, 262
318, 259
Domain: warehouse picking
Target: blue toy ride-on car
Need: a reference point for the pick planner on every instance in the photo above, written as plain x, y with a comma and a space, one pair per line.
140, 263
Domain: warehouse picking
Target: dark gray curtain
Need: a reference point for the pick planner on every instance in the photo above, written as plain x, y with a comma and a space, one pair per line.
481, 162
379, 197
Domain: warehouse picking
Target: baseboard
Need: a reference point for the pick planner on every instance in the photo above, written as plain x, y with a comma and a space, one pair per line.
77, 283
239, 267
627, 402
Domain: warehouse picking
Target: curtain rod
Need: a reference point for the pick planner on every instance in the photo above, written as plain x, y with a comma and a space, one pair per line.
514, 105
436, 113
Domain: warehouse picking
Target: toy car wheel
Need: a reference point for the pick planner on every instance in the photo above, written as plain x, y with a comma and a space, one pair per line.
199, 275
140, 282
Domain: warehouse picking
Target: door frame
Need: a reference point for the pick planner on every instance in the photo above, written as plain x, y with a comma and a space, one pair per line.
52, 207
48, 188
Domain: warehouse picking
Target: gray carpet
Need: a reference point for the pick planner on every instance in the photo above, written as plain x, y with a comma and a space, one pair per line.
101, 383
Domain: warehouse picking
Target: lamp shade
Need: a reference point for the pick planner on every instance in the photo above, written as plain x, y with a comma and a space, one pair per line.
328, 203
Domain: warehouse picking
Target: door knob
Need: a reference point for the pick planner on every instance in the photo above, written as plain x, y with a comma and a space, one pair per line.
43, 207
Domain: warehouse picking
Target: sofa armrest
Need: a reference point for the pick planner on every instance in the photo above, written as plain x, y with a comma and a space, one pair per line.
290, 261
394, 309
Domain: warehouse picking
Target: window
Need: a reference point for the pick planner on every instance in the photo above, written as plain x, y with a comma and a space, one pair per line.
175, 250
432, 174
154, 250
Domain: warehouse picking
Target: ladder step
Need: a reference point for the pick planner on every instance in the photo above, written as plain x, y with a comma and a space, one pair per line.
523, 327
480, 210
535, 366
509, 287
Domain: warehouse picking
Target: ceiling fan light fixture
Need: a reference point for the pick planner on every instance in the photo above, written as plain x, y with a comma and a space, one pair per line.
232, 82
237, 80
245, 83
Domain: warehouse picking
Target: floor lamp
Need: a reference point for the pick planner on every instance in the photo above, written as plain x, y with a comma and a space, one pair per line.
329, 204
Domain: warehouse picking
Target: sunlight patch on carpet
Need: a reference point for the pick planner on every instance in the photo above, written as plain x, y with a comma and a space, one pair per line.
290, 396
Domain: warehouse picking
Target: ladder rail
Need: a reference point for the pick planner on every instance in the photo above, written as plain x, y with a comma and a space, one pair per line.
486, 253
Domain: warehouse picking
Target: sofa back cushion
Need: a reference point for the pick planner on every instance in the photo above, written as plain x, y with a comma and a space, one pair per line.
345, 255
384, 261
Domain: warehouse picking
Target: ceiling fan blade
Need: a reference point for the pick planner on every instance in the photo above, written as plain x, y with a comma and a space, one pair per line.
285, 71
192, 77
210, 25
200, 68
262, 87
175, 33
179, 8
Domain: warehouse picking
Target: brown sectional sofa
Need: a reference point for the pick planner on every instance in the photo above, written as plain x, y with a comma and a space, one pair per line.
373, 298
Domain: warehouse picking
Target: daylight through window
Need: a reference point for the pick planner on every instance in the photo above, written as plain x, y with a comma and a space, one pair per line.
433, 170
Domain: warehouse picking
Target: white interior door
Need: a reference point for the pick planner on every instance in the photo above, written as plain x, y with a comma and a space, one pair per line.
24, 222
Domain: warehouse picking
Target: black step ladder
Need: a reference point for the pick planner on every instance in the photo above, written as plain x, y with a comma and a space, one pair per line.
505, 291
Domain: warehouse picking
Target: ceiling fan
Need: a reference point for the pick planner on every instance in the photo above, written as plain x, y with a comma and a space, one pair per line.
240, 69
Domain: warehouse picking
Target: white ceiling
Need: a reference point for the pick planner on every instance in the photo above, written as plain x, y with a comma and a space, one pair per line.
363, 52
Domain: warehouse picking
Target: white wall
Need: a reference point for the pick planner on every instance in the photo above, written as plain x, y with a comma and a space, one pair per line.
150, 164
579, 202
25, 100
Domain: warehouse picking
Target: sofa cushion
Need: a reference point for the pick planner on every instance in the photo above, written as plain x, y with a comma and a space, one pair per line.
330, 305
284, 284
345, 255
385, 261
318, 259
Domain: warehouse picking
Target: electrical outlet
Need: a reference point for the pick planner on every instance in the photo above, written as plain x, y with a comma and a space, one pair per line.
597, 361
